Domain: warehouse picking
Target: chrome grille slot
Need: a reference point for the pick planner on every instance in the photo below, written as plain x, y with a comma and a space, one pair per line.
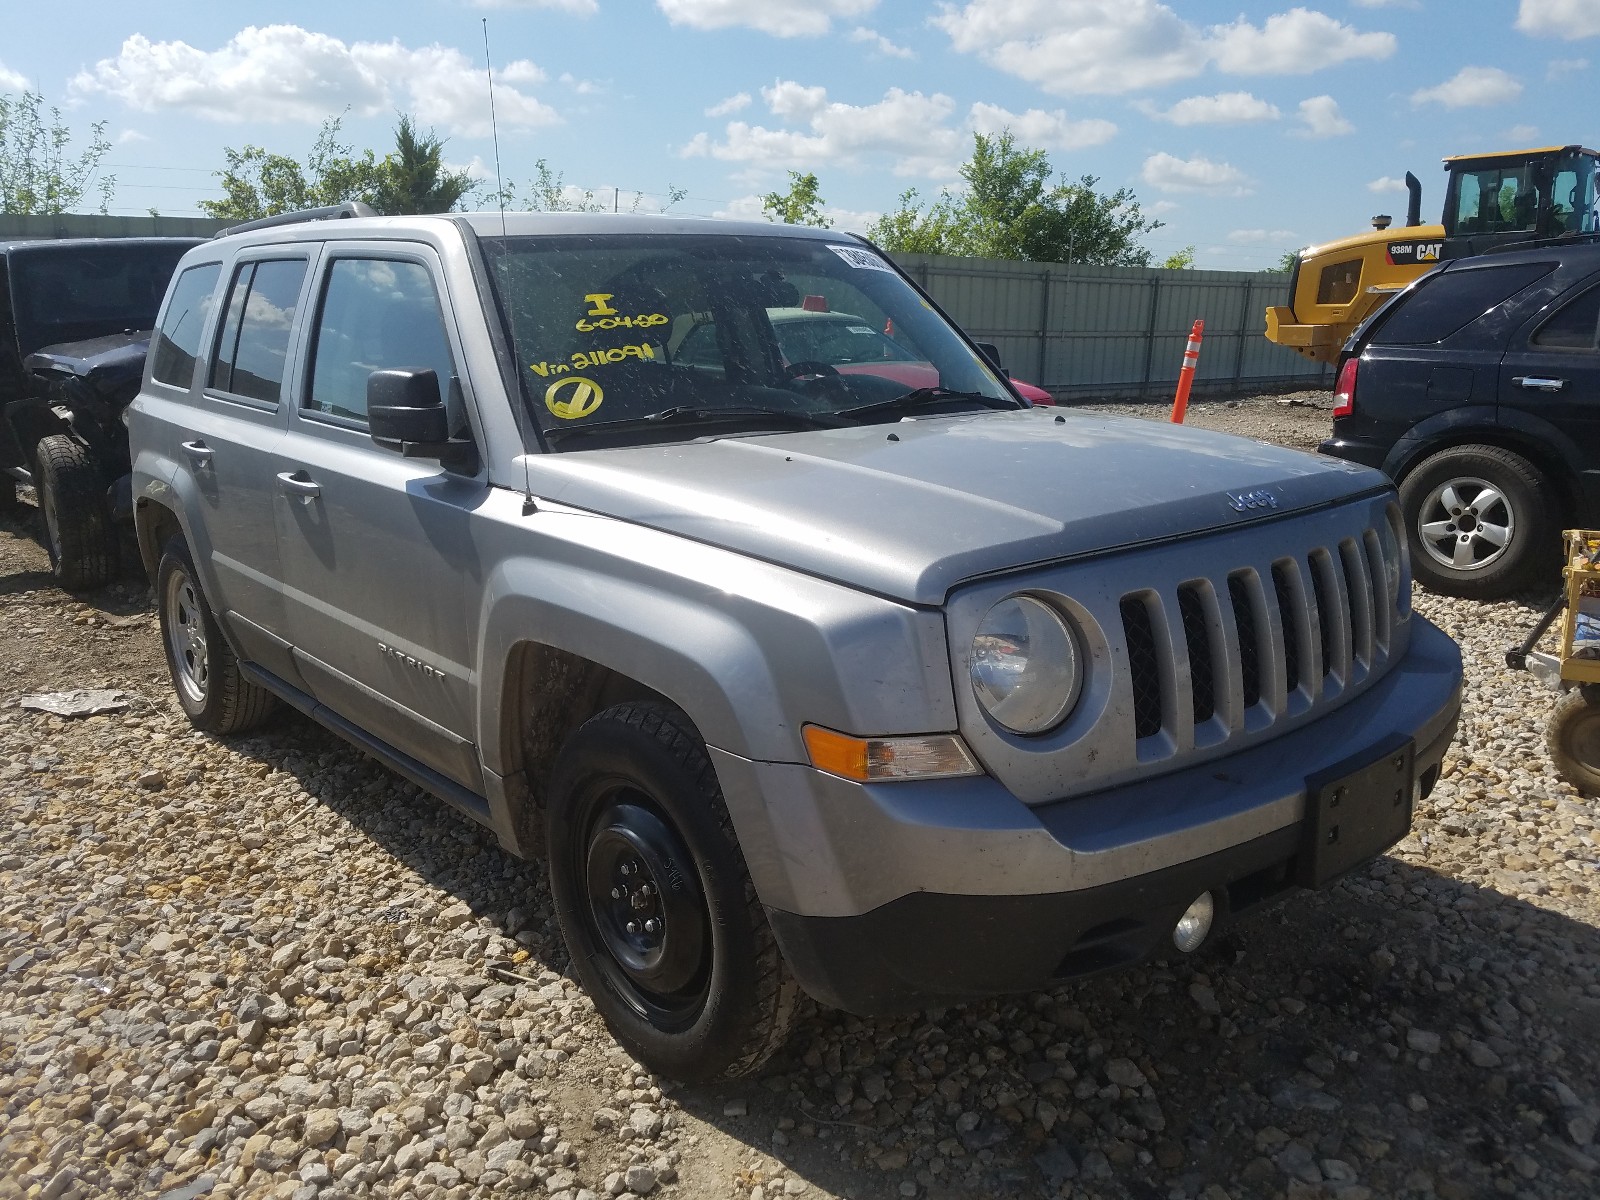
1292, 615
1197, 638
1382, 601
1144, 666
1244, 591
1358, 594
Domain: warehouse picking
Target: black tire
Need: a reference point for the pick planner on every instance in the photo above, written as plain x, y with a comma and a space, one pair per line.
1573, 739
78, 531
694, 998
214, 693
1480, 521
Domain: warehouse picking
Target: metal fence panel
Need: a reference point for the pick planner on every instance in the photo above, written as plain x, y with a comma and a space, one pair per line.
1117, 331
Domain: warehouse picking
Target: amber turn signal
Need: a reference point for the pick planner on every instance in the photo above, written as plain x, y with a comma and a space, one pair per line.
869, 760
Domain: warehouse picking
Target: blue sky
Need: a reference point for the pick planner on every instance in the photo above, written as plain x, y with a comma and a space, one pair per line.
1249, 128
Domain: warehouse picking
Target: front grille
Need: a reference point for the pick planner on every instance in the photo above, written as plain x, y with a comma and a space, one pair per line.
1285, 639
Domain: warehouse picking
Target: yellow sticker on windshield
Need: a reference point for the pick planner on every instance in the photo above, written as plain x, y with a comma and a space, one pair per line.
573, 397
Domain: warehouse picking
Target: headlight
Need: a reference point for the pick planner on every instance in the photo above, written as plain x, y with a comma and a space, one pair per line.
1025, 665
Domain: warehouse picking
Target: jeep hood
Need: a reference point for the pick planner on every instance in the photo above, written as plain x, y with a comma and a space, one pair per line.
911, 509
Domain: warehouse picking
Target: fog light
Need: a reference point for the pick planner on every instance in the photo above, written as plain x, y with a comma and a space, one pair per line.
1195, 923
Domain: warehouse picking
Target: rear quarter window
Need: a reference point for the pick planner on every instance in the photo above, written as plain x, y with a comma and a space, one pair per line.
1445, 303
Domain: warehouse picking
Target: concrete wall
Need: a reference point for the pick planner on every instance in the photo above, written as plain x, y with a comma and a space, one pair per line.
93, 225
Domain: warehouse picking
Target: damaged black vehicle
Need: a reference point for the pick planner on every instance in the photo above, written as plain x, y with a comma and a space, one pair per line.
75, 321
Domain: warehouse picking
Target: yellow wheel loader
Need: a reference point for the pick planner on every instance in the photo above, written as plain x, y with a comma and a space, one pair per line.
1491, 200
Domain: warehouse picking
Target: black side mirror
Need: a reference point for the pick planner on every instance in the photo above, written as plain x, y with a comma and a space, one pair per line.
992, 352
405, 412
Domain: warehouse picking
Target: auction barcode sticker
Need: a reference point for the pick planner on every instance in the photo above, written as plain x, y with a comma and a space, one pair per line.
860, 256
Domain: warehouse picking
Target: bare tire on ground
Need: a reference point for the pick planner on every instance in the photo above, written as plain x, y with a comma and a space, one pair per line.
213, 691
78, 532
1573, 738
642, 853
1480, 522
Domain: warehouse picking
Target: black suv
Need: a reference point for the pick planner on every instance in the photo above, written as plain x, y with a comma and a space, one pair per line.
75, 321
1477, 390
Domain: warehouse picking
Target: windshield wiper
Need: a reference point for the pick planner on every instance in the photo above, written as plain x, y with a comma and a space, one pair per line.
924, 395
686, 414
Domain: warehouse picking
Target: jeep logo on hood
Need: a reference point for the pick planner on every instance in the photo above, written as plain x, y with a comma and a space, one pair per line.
1244, 502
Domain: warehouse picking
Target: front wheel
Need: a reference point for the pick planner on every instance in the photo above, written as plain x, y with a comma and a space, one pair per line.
655, 902
78, 532
1480, 522
213, 691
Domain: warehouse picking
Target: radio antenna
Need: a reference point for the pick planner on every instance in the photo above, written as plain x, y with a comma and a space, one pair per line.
494, 130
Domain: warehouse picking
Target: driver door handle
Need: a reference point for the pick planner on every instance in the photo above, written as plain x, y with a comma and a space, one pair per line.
198, 452
298, 483
1539, 383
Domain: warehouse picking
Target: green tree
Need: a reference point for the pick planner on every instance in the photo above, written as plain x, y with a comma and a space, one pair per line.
800, 205
1181, 260
1011, 208
38, 174
257, 183
413, 178
1287, 262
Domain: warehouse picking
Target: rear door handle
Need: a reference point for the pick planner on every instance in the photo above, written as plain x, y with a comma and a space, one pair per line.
1539, 383
298, 483
199, 452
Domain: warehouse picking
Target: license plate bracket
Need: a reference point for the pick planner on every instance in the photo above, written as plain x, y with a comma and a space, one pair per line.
1355, 811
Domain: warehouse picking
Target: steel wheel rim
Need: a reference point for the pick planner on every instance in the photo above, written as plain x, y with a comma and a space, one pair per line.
186, 638
1466, 524
645, 908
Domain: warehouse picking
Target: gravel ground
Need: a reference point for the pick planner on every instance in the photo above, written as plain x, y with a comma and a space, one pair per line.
268, 967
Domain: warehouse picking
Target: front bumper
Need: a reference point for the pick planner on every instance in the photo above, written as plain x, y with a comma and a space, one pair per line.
896, 896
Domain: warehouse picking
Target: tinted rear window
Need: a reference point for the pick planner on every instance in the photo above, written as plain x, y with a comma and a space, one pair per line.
69, 293
1451, 300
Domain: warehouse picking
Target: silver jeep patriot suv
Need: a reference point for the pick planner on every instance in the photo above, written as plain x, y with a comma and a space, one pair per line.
808, 655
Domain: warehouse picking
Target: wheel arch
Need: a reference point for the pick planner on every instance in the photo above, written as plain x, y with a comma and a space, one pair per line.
1554, 465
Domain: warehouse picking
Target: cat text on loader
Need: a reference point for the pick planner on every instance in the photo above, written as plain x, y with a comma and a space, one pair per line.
1491, 200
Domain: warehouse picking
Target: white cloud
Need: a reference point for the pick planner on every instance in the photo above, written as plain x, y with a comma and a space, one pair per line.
129, 136
1252, 237
1104, 47
743, 208
1569, 19
749, 208
781, 18
1520, 135
908, 129
1387, 183
1293, 43
1321, 118
1225, 108
581, 8
1560, 67
880, 43
1161, 208
12, 81
1049, 130
1110, 47
1387, 4
1471, 87
286, 73
731, 105
1198, 174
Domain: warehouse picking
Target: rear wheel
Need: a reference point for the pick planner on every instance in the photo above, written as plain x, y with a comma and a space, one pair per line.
213, 691
78, 532
1479, 520
1573, 738
655, 902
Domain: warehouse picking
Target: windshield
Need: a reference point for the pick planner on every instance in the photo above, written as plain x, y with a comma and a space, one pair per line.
69, 294
641, 338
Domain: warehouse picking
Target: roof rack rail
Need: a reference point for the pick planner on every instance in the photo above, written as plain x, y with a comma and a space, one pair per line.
331, 212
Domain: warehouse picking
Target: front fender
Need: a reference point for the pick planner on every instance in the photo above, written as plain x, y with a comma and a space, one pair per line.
750, 650
1440, 429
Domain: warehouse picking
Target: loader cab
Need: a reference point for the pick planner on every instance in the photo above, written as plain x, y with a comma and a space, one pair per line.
1494, 199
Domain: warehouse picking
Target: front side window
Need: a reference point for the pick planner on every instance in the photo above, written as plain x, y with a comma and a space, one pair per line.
176, 344
377, 314
1496, 200
660, 336
253, 343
